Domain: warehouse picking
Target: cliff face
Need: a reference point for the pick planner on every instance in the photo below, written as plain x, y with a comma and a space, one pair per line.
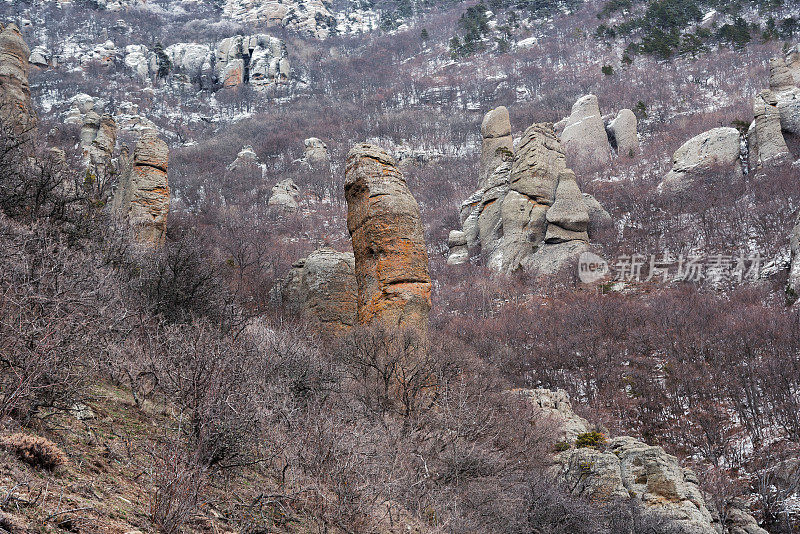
142, 197
391, 263
15, 94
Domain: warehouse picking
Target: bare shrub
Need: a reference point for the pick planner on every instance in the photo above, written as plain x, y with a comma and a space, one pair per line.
178, 482
37, 451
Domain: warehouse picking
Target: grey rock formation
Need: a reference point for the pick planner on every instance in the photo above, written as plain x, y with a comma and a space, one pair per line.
285, 196
567, 218
142, 196
626, 469
623, 131
322, 287
457, 243
98, 139
712, 156
315, 153
383, 218
598, 216
497, 145
767, 143
259, 60
584, 134
311, 17
784, 82
528, 213
40, 57
15, 94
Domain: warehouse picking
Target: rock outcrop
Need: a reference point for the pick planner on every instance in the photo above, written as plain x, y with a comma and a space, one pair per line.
142, 196
98, 138
311, 17
584, 135
529, 213
767, 145
285, 197
628, 470
712, 157
315, 153
497, 145
259, 60
391, 261
322, 287
622, 132
15, 93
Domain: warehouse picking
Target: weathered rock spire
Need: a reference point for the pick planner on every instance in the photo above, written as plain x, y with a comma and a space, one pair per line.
391, 263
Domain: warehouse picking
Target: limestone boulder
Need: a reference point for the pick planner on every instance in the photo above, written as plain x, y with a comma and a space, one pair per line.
15, 94
497, 144
556, 405
529, 213
40, 57
584, 135
712, 156
322, 288
538, 162
624, 134
391, 261
142, 197
285, 197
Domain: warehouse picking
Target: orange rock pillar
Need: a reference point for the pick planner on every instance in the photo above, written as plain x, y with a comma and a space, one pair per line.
391, 263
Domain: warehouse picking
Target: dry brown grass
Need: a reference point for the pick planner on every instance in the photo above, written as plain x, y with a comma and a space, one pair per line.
34, 450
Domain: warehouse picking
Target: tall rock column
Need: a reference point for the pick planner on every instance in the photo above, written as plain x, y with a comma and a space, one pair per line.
15, 94
770, 146
142, 196
391, 263
497, 145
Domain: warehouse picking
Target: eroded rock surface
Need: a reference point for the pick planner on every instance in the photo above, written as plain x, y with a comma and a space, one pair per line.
391, 262
497, 145
623, 132
766, 140
712, 156
142, 196
15, 94
584, 135
285, 196
529, 213
322, 287
315, 153
259, 60
626, 469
